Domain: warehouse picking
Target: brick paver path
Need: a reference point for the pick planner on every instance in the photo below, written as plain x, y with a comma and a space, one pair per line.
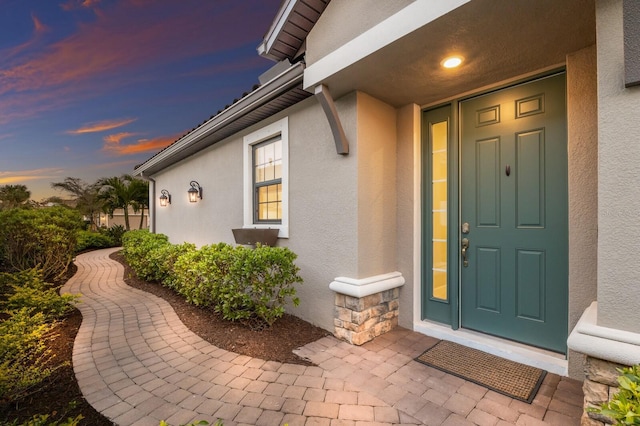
138, 364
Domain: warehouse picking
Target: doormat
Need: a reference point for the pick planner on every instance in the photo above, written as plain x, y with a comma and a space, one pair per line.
507, 377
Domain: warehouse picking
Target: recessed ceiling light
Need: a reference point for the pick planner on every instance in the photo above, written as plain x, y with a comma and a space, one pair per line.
451, 61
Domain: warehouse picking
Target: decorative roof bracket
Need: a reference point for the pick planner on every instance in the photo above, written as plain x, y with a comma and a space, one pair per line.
326, 101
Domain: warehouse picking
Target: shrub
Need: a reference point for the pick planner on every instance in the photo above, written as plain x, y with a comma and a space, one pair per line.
88, 240
162, 260
238, 282
27, 290
137, 245
43, 238
624, 407
262, 280
115, 233
24, 359
199, 274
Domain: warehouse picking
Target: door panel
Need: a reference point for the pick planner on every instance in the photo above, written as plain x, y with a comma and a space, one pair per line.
514, 197
488, 182
488, 279
530, 180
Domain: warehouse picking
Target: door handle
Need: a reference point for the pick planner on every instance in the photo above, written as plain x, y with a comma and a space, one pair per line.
465, 248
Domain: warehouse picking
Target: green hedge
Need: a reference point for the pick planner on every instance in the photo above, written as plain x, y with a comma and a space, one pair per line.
238, 282
136, 247
42, 238
88, 240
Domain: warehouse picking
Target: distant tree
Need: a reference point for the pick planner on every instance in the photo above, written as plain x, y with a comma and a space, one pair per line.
55, 200
86, 197
124, 192
13, 196
141, 190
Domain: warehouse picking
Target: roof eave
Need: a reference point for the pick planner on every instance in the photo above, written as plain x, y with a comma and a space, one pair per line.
263, 94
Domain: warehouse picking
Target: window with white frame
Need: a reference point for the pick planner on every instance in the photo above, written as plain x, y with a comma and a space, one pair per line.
266, 186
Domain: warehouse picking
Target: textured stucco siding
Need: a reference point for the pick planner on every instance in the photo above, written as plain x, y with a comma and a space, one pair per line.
343, 20
376, 200
211, 219
408, 129
582, 116
618, 178
323, 220
322, 190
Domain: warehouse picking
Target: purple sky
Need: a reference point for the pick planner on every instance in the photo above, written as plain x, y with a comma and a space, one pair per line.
90, 88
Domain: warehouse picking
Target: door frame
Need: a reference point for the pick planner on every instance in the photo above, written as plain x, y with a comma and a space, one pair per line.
439, 328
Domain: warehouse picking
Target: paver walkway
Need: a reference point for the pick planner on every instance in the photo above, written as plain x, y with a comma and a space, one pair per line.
138, 364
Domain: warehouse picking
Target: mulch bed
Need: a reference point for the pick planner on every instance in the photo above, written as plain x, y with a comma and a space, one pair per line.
271, 344
60, 396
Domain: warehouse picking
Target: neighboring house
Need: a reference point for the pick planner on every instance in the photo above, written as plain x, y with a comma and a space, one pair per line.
491, 204
107, 220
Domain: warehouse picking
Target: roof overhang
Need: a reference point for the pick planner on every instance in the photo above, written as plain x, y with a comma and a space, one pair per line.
398, 60
279, 93
288, 32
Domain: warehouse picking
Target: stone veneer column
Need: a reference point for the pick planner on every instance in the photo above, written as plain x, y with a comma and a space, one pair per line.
366, 308
359, 320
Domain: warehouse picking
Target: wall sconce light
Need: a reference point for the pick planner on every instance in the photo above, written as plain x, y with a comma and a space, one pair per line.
165, 198
195, 191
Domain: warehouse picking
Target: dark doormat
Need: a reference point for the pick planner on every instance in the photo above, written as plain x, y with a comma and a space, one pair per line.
509, 378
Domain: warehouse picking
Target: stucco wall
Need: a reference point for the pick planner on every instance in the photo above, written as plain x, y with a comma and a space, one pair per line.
582, 113
211, 219
618, 178
323, 218
322, 190
376, 187
408, 120
344, 20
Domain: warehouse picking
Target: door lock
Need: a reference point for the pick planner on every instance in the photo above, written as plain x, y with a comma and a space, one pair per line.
465, 248
465, 228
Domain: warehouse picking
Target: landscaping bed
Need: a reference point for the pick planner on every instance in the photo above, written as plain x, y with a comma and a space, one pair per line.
60, 396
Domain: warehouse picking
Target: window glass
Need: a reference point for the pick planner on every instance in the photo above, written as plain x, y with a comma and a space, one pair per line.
439, 187
266, 178
268, 181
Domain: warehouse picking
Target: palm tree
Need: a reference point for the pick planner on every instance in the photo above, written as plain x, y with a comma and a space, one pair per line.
13, 195
85, 196
124, 192
141, 198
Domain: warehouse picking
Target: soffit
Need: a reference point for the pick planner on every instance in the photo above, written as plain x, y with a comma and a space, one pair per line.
499, 39
289, 31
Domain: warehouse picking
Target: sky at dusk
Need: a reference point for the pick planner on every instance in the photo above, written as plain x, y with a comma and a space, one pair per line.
90, 88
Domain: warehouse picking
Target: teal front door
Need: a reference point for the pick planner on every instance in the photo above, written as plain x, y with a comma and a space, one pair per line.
514, 237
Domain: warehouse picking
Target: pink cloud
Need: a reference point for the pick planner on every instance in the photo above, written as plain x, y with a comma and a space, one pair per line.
38, 30
101, 126
125, 40
78, 4
19, 176
113, 144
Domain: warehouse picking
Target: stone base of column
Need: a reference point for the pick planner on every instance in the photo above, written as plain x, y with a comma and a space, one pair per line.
360, 319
